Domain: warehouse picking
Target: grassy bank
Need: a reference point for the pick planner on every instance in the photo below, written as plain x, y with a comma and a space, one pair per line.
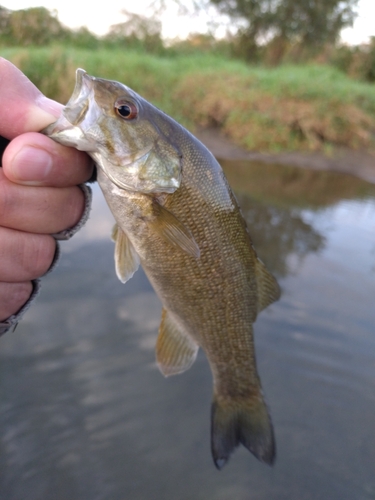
280, 109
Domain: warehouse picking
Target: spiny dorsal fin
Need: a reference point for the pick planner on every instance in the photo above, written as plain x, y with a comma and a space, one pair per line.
174, 231
175, 351
268, 288
126, 258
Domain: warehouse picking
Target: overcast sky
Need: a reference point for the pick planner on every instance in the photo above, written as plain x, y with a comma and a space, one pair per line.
100, 16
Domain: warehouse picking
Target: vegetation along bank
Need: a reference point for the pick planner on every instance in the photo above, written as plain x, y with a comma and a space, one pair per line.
306, 107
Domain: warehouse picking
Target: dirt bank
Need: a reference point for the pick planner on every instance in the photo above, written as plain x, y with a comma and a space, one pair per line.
358, 163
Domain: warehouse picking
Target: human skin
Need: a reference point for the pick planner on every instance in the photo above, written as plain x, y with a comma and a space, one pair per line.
39, 195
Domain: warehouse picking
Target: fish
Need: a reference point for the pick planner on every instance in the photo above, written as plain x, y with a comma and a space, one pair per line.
177, 216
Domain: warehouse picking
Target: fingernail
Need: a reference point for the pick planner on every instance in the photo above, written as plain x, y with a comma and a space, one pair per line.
31, 164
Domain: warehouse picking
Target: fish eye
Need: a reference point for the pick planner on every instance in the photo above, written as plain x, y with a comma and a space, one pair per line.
126, 110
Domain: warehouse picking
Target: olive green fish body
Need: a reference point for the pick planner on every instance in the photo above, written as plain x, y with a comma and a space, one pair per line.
191, 239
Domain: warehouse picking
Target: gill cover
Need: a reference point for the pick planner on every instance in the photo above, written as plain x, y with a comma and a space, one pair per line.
135, 154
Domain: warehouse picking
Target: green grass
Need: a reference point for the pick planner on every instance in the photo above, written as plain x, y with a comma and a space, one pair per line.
265, 109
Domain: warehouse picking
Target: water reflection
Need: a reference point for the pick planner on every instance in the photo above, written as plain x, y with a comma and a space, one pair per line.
279, 233
294, 187
85, 415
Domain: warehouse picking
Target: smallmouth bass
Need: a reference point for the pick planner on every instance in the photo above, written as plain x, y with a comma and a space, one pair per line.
177, 216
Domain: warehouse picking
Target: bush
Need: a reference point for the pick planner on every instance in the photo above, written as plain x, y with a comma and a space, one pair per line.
358, 61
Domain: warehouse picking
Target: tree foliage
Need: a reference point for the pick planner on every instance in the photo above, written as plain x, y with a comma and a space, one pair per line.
35, 26
137, 31
310, 23
41, 27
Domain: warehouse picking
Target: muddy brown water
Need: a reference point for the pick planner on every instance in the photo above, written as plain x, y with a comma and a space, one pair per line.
85, 415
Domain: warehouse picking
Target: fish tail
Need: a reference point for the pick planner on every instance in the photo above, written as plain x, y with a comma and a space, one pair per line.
246, 422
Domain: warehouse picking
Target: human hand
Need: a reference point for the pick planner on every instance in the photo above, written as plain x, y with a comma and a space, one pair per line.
38, 188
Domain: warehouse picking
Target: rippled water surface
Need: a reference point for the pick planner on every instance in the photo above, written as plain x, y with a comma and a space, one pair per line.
85, 414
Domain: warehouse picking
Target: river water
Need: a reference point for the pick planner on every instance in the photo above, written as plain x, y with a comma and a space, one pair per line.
85, 414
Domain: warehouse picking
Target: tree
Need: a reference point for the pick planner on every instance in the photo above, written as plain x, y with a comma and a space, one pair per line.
35, 26
310, 23
137, 31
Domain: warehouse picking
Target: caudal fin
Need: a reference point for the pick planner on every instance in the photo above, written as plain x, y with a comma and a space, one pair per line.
243, 422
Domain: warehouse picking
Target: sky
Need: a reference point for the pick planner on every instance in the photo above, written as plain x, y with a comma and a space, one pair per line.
101, 15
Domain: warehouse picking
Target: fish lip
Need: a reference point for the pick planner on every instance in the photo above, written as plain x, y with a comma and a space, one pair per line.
78, 104
83, 82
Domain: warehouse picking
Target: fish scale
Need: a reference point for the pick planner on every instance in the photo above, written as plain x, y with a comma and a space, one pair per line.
177, 216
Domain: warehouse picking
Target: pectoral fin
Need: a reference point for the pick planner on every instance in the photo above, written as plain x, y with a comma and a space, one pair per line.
175, 351
126, 258
268, 288
173, 230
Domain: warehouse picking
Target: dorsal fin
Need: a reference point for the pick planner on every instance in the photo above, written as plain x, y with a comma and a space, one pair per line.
175, 351
268, 288
126, 258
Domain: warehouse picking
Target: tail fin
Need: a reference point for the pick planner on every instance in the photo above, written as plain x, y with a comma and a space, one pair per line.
246, 422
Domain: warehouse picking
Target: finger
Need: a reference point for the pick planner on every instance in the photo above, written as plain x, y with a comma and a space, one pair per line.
35, 160
12, 297
39, 209
24, 256
23, 107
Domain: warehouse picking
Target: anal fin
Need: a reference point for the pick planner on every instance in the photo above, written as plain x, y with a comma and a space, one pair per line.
175, 351
126, 258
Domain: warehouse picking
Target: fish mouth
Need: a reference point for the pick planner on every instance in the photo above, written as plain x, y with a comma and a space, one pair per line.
77, 116
82, 80
66, 128
78, 104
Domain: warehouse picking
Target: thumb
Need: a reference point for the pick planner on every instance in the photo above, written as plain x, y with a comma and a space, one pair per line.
23, 107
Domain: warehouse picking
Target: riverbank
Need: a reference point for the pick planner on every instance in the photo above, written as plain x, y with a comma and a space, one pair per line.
309, 108
309, 116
